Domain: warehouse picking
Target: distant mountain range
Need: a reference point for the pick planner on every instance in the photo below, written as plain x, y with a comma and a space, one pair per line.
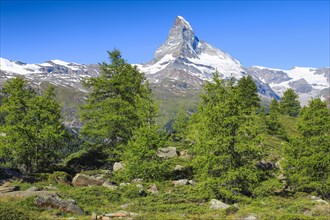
181, 64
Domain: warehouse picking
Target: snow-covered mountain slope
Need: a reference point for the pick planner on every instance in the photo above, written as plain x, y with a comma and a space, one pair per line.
307, 82
183, 59
56, 72
184, 56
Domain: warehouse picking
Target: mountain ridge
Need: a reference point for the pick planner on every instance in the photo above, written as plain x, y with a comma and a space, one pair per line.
181, 63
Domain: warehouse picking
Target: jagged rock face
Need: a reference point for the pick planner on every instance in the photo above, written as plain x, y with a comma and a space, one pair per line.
180, 42
301, 86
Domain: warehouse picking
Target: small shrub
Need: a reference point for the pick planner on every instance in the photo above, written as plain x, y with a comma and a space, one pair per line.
131, 191
59, 177
269, 187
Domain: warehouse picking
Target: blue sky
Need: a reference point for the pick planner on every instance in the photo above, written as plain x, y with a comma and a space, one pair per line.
278, 34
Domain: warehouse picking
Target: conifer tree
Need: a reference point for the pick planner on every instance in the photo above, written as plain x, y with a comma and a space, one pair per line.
307, 156
119, 102
180, 123
274, 107
290, 104
247, 92
140, 155
273, 124
32, 133
227, 140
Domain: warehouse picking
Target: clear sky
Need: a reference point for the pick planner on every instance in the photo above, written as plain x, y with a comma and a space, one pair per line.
278, 34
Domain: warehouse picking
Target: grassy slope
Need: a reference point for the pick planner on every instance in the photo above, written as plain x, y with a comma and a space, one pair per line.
171, 203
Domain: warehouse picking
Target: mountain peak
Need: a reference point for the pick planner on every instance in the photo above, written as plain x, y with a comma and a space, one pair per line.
180, 21
181, 41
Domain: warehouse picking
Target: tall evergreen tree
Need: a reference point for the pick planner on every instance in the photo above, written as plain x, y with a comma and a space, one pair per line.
273, 124
290, 104
274, 107
32, 132
119, 102
227, 140
307, 156
140, 155
247, 92
180, 123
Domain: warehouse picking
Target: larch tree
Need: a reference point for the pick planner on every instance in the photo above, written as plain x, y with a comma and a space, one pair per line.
32, 133
118, 103
307, 156
290, 104
227, 140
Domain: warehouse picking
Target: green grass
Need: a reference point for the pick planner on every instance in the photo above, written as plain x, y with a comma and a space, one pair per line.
171, 203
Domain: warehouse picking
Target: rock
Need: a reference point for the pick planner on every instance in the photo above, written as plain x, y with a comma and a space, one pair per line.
7, 189
167, 152
265, 165
153, 189
251, 217
50, 187
110, 185
117, 214
142, 192
33, 188
191, 182
84, 180
118, 166
137, 180
318, 199
124, 184
216, 204
184, 154
140, 186
120, 214
178, 168
181, 182
54, 201
94, 216
125, 206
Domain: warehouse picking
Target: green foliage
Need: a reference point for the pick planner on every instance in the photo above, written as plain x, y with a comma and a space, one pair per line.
33, 132
181, 123
119, 103
58, 177
18, 210
307, 158
85, 159
247, 93
273, 125
290, 104
268, 188
140, 154
228, 139
274, 107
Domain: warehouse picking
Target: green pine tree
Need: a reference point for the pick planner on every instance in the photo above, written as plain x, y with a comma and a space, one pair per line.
274, 107
181, 123
273, 125
290, 104
247, 92
307, 156
32, 134
228, 140
119, 102
140, 155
